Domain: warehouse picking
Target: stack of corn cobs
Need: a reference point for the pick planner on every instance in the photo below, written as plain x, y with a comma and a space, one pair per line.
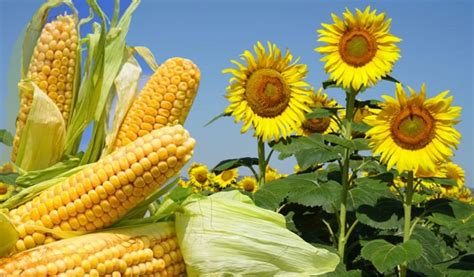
103, 206
45, 226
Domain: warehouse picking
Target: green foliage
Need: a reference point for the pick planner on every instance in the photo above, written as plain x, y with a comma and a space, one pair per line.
234, 163
6, 137
385, 256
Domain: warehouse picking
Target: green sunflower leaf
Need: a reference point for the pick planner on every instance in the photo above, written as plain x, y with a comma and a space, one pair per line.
6, 137
385, 256
321, 113
234, 163
8, 178
216, 118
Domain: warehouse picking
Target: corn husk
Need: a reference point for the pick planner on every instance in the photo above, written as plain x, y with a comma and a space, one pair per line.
44, 135
226, 234
9, 235
126, 85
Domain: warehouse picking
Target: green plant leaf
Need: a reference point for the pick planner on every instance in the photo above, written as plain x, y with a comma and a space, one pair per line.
179, 193
440, 181
321, 113
310, 157
306, 190
456, 216
234, 163
387, 213
372, 103
360, 127
6, 137
368, 190
423, 268
272, 195
354, 144
460, 267
31, 178
430, 243
385, 256
216, 118
9, 178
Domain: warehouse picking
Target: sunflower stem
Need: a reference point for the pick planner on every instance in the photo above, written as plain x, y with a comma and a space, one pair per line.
407, 217
261, 163
351, 95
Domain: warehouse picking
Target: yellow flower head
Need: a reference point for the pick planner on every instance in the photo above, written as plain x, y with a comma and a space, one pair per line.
465, 195
248, 184
271, 174
319, 125
198, 175
182, 183
226, 177
453, 171
412, 132
268, 93
359, 49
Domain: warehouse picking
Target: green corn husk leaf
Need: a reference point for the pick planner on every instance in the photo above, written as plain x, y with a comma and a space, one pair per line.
31, 178
44, 135
29, 193
147, 56
126, 85
9, 235
242, 239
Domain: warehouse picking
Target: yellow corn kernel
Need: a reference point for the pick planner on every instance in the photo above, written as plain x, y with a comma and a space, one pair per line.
101, 204
113, 252
51, 49
165, 100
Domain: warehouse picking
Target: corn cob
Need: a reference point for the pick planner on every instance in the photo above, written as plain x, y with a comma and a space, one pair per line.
134, 251
100, 194
52, 69
165, 100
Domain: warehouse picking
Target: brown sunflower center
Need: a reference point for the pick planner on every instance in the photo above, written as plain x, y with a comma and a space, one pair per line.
267, 93
316, 125
3, 189
201, 177
249, 186
357, 47
227, 175
413, 128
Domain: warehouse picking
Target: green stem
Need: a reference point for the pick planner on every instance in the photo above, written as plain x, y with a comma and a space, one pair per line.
407, 217
345, 174
261, 163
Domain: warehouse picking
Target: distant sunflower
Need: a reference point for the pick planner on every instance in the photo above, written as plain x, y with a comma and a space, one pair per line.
412, 132
359, 49
453, 171
248, 184
198, 175
271, 174
226, 177
319, 125
268, 93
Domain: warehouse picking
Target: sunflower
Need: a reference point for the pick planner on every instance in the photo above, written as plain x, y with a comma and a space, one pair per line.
271, 174
465, 195
248, 184
183, 183
268, 93
359, 49
453, 171
412, 132
226, 177
319, 125
198, 175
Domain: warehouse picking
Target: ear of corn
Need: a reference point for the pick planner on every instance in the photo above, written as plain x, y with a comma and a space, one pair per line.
165, 100
53, 69
150, 249
102, 192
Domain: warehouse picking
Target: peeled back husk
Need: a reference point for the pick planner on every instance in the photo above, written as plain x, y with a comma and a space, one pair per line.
226, 234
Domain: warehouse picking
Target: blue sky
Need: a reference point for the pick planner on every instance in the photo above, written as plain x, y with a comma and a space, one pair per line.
437, 49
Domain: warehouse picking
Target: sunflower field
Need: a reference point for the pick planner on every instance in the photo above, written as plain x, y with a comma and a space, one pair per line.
374, 191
